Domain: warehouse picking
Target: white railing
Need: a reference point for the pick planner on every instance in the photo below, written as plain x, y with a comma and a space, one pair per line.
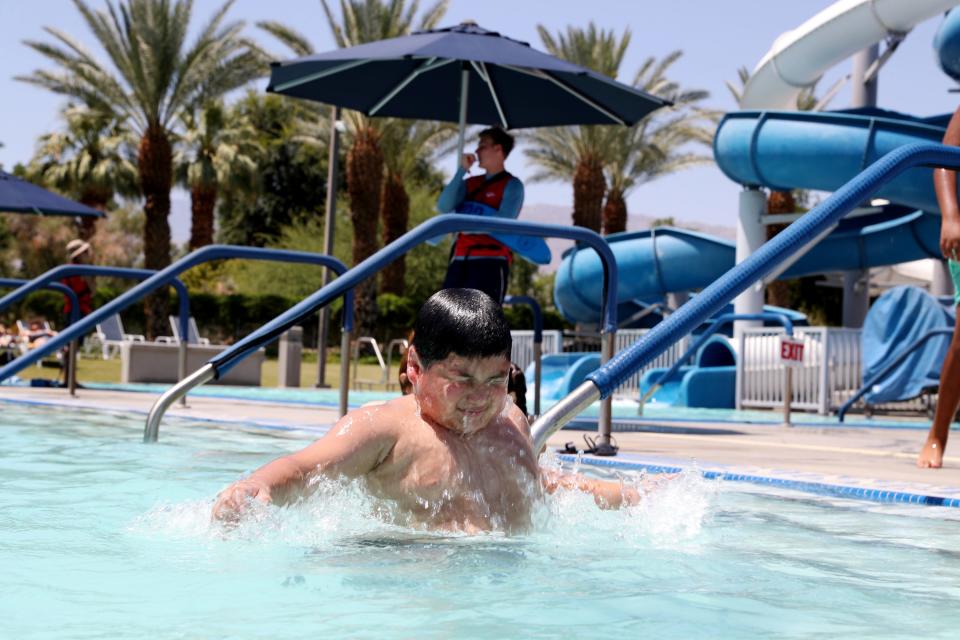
626, 338
522, 352
830, 374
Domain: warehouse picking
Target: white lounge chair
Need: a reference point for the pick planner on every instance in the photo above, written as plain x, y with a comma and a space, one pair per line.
111, 335
193, 334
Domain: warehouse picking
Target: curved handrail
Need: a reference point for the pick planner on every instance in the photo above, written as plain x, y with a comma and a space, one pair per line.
53, 286
602, 382
726, 318
877, 377
537, 343
437, 226
168, 275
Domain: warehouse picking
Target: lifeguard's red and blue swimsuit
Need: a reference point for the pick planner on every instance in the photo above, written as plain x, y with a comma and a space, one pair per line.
479, 261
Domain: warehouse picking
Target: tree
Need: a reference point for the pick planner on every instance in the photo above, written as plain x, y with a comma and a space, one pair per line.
218, 151
660, 144
364, 21
91, 160
579, 154
153, 75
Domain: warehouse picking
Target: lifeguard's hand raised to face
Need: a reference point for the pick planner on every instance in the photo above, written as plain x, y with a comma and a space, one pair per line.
467, 161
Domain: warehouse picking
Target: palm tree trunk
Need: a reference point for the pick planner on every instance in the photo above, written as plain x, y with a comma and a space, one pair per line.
203, 202
155, 166
589, 186
364, 178
614, 212
778, 291
95, 198
395, 216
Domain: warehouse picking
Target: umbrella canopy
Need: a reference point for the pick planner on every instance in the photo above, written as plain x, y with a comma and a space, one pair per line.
19, 196
424, 76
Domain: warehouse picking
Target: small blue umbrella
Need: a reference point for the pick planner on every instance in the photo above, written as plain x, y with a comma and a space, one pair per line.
19, 196
462, 74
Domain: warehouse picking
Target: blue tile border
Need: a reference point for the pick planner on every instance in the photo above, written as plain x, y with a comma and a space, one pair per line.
805, 486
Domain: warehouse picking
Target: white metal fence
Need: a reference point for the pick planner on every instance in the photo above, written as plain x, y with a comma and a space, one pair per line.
830, 372
522, 352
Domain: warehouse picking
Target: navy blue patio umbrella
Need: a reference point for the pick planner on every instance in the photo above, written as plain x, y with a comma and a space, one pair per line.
462, 74
19, 196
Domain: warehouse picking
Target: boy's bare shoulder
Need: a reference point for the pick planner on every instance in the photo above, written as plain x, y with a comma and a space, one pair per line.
384, 419
517, 419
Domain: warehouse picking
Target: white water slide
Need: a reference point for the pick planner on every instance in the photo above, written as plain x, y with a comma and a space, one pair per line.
799, 57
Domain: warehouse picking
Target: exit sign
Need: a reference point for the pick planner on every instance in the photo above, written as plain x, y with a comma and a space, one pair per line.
791, 351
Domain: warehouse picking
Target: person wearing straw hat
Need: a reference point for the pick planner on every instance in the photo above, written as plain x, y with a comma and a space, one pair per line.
78, 252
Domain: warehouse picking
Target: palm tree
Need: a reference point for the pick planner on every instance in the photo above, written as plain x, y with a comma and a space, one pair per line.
657, 145
406, 145
91, 159
218, 151
364, 21
579, 154
153, 76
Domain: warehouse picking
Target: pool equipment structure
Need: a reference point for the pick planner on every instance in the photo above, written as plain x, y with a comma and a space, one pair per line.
154, 280
437, 226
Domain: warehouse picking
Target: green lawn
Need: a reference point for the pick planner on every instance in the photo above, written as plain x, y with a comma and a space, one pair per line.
99, 370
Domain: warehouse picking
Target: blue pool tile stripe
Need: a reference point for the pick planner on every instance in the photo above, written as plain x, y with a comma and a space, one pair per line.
872, 494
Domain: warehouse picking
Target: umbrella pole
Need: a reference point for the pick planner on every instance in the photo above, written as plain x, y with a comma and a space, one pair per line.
464, 83
330, 220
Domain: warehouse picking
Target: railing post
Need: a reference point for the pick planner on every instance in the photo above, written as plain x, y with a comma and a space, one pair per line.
72, 368
537, 374
182, 365
605, 423
344, 371
787, 393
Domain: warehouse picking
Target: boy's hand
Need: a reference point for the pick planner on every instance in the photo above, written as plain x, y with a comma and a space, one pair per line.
233, 500
467, 161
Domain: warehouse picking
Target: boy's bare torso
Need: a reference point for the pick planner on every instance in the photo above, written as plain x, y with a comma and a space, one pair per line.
442, 479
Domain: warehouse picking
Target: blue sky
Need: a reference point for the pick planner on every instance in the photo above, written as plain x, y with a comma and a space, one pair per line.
716, 37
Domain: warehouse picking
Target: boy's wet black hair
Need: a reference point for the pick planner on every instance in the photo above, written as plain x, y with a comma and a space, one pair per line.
466, 322
500, 137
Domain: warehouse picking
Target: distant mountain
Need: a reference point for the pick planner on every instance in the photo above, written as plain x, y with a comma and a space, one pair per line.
558, 214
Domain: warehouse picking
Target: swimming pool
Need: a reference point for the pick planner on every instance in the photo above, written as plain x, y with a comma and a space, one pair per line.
106, 537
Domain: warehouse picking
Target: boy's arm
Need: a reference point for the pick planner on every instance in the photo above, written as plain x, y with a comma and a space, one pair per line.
453, 194
945, 185
512, 200
607, 495
353, 447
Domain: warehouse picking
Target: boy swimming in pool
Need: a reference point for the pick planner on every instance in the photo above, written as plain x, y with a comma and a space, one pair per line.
454, 455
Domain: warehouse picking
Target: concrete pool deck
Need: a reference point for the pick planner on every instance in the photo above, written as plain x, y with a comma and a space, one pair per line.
857, 457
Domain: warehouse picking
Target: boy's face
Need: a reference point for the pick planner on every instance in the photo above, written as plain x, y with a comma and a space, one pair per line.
461, 394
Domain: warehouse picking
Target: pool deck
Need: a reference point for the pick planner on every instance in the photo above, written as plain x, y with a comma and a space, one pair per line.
855, 461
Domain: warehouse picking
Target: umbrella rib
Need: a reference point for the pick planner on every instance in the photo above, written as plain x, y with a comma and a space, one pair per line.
423, 68
318, 75
537, 73
485, 74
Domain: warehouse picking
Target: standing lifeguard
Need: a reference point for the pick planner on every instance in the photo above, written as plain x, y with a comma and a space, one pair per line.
480, 261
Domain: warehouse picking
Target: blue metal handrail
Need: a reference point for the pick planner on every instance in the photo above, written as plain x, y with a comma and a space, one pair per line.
54, 275
715, 326
67, 270
880, 375
602, 382
53, 286
167, 276
437, 226
537, 343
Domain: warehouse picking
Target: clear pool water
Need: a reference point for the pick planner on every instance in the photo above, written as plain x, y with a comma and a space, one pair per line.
104, 537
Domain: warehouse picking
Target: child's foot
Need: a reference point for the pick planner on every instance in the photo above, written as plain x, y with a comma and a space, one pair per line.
931, 456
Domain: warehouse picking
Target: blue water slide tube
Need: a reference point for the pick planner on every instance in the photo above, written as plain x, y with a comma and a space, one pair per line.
663, 260
946, 43
654, 263
802, 150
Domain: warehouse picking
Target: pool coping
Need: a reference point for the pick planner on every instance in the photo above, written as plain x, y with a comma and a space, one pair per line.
806, 482
869, 489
